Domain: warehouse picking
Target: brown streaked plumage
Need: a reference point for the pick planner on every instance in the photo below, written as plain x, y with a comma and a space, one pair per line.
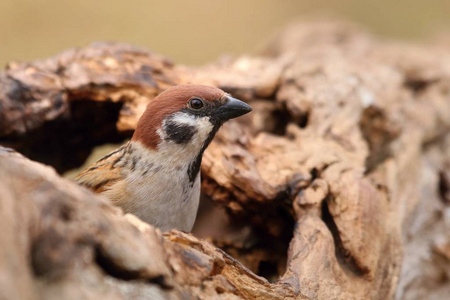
156, 175
103, 173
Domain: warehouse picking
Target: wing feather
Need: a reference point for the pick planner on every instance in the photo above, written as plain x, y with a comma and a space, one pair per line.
103, 174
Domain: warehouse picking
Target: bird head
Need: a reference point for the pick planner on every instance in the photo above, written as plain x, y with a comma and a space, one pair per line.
184, 119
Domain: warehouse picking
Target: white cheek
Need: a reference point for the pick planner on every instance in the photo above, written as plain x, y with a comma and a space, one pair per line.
189, 151
184, 118
204, 128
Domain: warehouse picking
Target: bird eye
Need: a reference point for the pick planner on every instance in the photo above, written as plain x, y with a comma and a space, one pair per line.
195, 103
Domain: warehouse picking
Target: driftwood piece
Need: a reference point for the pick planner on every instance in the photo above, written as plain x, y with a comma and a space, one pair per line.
345, 159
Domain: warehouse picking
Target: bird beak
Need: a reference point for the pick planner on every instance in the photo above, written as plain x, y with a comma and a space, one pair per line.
233, 108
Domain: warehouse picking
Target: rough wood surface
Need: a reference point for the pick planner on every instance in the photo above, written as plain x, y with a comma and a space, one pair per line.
336, 186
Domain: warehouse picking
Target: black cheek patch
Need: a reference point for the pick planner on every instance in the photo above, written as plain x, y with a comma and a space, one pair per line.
179, 133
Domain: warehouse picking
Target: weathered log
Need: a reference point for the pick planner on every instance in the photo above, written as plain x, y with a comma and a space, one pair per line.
345, 158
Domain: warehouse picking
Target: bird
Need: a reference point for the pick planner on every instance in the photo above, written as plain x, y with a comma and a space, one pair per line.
156, 175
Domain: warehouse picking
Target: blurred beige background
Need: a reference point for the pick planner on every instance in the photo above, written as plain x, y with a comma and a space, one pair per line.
195, 31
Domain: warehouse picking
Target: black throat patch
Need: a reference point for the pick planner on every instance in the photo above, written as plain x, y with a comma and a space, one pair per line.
194, 167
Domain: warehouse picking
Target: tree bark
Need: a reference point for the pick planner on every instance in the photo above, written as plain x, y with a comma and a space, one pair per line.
336, 186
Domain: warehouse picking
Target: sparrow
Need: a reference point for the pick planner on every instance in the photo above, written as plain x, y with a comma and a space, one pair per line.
156, 175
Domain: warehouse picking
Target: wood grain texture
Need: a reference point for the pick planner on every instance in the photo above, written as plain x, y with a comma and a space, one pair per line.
335, 186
